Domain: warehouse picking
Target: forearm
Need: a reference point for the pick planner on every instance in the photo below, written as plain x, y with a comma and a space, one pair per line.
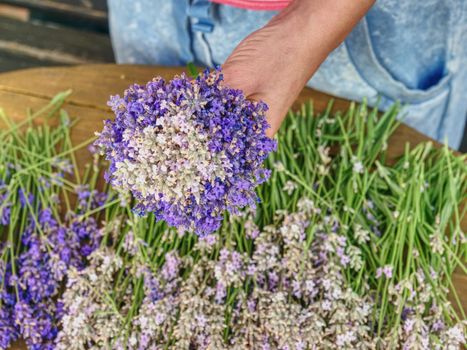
316, 27
274, 63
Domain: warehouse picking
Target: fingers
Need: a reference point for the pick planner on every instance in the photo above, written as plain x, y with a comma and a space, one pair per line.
251, 68
237, 76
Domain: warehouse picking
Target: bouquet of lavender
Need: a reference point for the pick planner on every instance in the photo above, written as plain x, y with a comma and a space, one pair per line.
187, 150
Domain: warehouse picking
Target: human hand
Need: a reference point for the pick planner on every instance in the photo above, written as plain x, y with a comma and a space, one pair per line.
274, 63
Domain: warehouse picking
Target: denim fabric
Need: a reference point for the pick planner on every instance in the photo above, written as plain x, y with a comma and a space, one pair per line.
406, 50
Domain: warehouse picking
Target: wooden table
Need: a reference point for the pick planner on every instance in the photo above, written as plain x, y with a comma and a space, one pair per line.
92, 85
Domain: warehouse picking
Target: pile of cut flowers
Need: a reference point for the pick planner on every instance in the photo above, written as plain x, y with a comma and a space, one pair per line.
316, 240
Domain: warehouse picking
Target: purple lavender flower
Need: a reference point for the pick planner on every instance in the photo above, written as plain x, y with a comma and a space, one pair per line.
171, 267
5, 214
221, 292
28, 306
187, 150
385, 270
37, 323
63, 164
8, 331
438, 325
344, 259
5, 210
25, 200
151, 285
87, 198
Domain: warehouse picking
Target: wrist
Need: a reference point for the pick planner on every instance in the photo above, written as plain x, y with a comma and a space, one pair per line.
316, 27
326, 21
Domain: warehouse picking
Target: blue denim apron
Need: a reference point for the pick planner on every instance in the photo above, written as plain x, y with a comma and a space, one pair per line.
406, 50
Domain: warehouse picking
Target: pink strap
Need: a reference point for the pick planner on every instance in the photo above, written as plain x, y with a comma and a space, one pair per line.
256, 4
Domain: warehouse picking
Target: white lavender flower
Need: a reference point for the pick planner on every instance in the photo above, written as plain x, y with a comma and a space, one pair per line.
90, 320
289, 187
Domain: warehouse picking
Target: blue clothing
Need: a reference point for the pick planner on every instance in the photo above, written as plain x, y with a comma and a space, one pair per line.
406, 50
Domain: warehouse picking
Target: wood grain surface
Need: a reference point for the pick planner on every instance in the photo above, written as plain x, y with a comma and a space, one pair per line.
92, 84
26, 44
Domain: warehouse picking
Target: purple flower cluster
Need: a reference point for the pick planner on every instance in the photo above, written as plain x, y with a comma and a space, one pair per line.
28, 305
5, 206
8, 332
187, 149
90, 199
5, 211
